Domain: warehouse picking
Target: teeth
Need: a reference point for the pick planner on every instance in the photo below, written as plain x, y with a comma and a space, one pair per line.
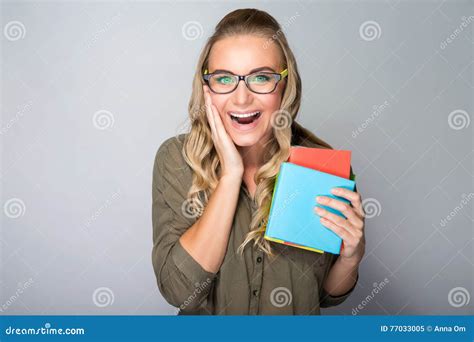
244, 115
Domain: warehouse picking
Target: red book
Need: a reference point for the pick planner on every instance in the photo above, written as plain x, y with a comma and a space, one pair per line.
334, 162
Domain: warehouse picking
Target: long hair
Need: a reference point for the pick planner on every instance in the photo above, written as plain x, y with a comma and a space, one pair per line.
198, 148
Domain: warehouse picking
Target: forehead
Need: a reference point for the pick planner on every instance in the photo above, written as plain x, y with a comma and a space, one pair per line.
240, 54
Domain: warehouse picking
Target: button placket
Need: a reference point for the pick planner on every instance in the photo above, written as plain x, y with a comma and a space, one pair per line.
257, 282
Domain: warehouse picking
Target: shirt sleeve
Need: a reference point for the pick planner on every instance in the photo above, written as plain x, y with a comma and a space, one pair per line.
182, 281
325, 299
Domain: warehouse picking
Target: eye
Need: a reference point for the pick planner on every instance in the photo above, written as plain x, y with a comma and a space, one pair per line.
260, 78
224, 79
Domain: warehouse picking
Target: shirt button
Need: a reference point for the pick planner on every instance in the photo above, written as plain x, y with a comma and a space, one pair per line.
259, 259
255, 292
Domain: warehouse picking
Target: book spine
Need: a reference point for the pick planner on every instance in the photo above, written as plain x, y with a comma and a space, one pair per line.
275, 189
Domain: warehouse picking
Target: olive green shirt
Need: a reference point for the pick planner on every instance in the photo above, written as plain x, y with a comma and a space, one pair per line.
252, 284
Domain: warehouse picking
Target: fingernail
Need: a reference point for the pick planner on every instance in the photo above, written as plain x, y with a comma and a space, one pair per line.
320, 199
335, 191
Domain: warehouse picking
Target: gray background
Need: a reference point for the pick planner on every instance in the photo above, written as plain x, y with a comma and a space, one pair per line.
76, 188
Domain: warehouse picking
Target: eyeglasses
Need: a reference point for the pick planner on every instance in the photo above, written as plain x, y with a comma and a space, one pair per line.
261, 82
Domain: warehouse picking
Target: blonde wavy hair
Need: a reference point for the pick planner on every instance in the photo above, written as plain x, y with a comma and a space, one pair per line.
198, 148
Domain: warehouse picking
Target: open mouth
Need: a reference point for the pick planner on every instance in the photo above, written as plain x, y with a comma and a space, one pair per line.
245, 118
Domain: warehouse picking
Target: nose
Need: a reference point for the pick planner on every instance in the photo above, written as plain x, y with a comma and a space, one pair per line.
242, 95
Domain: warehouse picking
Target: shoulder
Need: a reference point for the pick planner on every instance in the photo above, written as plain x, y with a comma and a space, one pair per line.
170, 152
309, 143
169, 160
301, 136
171, 147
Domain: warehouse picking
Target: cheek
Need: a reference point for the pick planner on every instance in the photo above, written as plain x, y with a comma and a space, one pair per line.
270, 104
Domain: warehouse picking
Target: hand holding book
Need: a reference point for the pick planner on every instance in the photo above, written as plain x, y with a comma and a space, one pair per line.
312, 172
350, 229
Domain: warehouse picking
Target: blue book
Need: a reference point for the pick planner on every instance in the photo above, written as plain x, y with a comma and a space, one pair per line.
292, 219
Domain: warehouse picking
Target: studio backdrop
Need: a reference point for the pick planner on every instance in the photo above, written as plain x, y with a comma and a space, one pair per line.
90, 90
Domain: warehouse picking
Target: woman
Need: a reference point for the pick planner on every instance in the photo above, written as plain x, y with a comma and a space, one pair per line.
212, 187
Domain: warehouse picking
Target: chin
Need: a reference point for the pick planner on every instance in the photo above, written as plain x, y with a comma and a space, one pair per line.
246, 140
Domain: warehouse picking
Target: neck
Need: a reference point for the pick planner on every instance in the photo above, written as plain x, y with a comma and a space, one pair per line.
252, 156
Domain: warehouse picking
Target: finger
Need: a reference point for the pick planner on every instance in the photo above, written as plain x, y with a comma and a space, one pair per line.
352, 227
210, 118
340, 221
343, 207
218, 121
353, 197
341, 232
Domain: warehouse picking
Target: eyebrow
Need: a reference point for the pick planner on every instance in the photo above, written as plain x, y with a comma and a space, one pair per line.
251, 71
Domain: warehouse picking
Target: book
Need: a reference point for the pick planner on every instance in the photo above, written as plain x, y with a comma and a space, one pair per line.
292, 219
335, 162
